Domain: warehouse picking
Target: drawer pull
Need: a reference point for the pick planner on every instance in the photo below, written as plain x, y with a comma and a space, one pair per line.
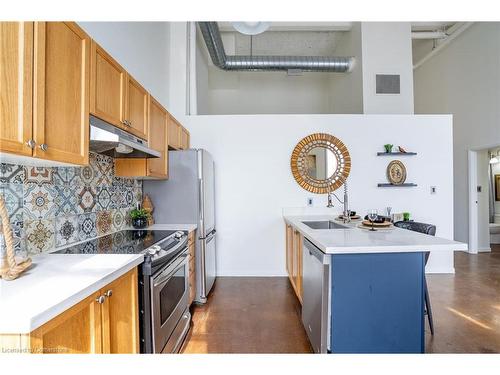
44, 147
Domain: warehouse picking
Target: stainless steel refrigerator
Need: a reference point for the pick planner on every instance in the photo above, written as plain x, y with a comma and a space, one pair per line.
188, 197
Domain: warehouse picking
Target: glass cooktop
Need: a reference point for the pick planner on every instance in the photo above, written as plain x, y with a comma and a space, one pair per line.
123, 242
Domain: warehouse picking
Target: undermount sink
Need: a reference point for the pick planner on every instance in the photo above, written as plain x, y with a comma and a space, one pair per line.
325, 224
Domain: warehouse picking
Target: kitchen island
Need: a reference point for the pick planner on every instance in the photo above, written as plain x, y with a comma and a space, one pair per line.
362, 291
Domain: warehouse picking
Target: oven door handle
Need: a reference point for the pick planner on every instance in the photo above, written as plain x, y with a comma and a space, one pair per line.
167, 274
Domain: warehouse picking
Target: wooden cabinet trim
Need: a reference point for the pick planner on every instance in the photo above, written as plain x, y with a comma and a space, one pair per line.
24, 93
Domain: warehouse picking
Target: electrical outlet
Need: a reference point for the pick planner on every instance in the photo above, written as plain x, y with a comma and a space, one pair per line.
433, 190
310, 201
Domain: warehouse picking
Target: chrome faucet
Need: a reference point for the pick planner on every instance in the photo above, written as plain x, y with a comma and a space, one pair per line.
330, 199
346, 213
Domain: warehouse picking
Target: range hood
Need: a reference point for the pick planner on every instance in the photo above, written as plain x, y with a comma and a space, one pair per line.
111, 141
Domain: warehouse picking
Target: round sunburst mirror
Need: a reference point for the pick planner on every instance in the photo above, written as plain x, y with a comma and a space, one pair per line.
320, 163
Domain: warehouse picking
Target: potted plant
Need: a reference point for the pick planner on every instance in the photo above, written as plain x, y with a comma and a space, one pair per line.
139, 218
388, 148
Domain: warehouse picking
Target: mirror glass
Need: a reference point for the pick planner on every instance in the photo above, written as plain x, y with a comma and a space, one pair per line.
321, 163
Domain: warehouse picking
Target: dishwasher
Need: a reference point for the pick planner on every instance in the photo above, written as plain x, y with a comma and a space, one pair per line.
315, 296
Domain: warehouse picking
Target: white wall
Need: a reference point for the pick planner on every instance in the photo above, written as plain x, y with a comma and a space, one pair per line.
386, 49
254, 182
464, 80
483, 199
346, 90
142, 48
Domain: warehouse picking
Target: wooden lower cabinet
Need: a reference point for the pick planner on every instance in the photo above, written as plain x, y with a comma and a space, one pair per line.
294, 259
105, 322
192, 266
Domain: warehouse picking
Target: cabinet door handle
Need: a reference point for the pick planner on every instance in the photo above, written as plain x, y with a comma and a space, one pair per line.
100, 299
44, 147
31, 143
109, 293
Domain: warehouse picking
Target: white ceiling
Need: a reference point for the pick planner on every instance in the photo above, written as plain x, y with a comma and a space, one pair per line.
299, 38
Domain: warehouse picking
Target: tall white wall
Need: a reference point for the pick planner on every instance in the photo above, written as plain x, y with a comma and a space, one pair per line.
346, 90
179, 69
386, 49
254, 181
464, 80
142, 48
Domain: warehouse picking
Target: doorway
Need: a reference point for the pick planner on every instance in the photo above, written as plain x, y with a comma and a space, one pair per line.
484, 199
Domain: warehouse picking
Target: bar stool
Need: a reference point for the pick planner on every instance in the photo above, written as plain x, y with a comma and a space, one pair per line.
430, 230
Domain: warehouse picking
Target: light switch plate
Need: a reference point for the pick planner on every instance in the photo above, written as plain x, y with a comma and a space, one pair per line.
433, 190
309, 202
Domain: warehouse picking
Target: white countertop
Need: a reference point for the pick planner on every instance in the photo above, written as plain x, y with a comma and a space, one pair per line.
188, 227
54, 283
355, 240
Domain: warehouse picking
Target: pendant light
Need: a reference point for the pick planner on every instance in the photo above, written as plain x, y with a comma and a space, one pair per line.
250, 28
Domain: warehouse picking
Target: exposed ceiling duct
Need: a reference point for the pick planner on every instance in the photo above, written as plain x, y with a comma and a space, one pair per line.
213, 40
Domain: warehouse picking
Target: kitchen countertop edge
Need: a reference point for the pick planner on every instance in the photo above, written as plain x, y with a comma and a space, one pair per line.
314, 235
29, 324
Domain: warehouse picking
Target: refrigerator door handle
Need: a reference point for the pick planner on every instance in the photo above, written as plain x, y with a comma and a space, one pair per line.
209, 236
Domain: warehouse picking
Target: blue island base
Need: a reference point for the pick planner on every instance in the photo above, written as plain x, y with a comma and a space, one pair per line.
377, 303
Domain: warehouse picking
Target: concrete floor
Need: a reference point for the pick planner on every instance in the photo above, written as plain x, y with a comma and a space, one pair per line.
466, 306
262, 315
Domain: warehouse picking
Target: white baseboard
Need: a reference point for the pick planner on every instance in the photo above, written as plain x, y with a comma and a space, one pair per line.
484, 250
435, 270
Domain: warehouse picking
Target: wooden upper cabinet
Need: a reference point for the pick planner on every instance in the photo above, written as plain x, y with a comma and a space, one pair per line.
158, 124
107, 87
16, 79
136, 109
61, 92
174, 133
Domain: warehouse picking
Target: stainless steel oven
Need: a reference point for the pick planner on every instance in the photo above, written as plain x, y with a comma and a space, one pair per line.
164, 295
169, 304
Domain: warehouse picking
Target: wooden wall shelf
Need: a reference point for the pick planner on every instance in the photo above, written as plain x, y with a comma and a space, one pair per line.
396, 153
394, 185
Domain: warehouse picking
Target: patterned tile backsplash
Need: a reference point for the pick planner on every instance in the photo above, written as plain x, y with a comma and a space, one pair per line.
53, 207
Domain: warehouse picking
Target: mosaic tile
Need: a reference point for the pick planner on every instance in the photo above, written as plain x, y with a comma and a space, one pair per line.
39, 201
66, 176
137, 195
104, 244
104, 222
11, 174
126, 215
87, 175
19, 237
118, 219
13, 196
56, 206
66, 200
40, 175
104, 168
87, 226
103, 197
39, 235
129, 197
86, 199
66, 229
